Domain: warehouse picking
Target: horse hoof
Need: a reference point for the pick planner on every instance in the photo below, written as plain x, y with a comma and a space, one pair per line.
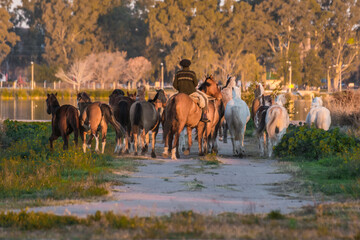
186, 152
143, 152
153, 155
126, 151
135, 153
165, 155
178, 155
201, 154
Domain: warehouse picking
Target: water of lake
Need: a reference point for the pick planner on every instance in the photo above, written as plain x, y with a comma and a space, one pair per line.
36, 109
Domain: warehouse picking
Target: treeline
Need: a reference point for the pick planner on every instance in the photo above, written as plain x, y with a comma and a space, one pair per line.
317, 38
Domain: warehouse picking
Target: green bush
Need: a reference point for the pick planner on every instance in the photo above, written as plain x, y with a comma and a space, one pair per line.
313, 144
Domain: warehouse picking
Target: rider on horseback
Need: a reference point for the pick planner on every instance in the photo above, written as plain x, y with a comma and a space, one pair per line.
185, 82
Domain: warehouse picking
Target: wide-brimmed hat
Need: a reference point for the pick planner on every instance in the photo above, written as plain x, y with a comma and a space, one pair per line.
185, 63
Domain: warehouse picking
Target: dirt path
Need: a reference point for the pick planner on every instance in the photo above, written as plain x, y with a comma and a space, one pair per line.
248, 185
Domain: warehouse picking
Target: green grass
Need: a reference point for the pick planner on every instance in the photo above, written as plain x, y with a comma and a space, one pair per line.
324, 179
29, 170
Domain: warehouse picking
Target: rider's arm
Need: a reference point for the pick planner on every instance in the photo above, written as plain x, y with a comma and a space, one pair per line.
175, 83
195, 80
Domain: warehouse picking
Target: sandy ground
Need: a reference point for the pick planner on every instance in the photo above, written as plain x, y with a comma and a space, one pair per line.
161, 186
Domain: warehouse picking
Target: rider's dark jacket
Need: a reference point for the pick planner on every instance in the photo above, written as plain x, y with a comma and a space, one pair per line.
185, 81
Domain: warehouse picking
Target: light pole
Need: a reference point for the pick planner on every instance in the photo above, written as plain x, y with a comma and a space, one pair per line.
328, 79
290, 74
32, 75
162, 75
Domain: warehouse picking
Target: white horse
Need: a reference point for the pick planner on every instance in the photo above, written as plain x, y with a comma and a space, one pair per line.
318, 115
277, 121
237, 114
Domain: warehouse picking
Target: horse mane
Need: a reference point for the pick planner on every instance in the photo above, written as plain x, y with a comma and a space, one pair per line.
84, 96
230, 80
204, 85
54, 102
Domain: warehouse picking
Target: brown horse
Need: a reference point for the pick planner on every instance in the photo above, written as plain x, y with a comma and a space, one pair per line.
182, 111
93, 117
121, 106
64, 121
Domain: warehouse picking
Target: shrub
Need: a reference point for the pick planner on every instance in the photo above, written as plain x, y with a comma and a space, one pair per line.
313, 144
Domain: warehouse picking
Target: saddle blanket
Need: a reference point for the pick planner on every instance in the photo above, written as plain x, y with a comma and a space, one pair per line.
199, 98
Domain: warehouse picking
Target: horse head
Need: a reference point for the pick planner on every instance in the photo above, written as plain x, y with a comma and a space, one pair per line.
114, 95
259, 90
280, 100
141, 93
317, 102
83, 97
211, 88
132, 95
51, 103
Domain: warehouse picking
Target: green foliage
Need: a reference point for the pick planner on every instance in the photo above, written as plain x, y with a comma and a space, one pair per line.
57, 174
7, 37
313, 144
276, 215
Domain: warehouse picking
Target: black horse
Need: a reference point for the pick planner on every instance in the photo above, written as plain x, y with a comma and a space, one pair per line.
65, 120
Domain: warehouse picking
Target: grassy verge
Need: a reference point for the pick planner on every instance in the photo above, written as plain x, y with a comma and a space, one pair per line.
332, 221
329, 161
30, 171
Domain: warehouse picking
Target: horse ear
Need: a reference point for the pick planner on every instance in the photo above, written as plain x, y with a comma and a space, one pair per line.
48, 95
56, 94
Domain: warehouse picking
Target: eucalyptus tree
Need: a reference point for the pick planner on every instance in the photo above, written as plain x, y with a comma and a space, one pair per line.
341, 42
7, 37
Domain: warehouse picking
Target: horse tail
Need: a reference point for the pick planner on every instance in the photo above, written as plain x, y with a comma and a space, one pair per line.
110, 118
138, 114
169, 115
272, 122
124, 113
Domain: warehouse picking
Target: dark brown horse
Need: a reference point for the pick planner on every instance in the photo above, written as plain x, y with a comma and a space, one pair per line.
95, 116
182, 111
121, 106
64, 121
260, 100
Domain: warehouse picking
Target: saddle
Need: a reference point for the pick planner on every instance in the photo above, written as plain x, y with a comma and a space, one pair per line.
199, 99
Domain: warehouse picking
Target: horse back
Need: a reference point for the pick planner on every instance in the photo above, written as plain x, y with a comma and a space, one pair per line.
66, 120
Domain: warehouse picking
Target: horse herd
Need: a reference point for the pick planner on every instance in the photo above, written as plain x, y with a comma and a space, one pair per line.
133, 118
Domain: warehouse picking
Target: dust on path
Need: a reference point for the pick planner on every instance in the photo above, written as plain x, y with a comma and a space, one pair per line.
162, 186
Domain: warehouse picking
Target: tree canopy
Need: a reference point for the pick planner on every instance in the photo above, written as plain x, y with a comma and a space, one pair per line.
241, 38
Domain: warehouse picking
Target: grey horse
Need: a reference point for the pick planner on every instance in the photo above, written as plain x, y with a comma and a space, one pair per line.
145, 116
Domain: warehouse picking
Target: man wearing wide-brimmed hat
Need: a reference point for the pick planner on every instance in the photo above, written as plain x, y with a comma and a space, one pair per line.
186, 82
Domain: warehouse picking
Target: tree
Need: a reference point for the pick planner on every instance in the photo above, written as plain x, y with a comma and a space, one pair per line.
79, 73
313, 71
137, 69
7, 37
169, 26
340, 46
108, 67
70, 27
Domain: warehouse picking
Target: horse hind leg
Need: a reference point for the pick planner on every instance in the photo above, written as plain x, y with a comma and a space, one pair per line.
103, 138
144, 142
189, 137
153, 140
51, 140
